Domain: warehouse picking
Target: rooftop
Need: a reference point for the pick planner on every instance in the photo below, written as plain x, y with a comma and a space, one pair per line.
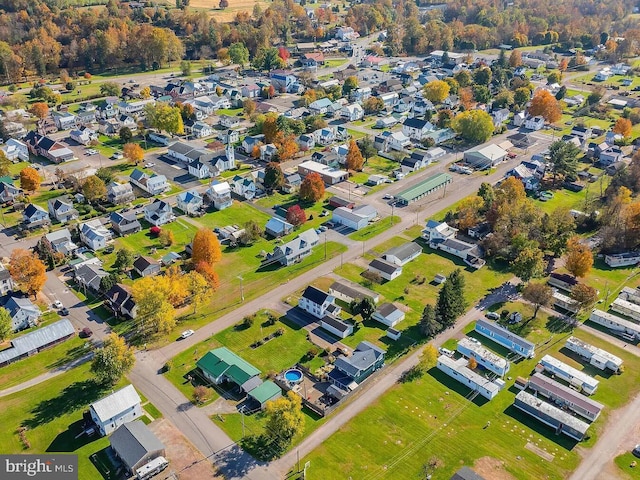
552, 412
37, 339
503, 332
133, 441
424, 187
540, 381
116, 403
483, 353
557, 365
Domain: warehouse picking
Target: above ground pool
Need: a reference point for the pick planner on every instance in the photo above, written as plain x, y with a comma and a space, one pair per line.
293, 375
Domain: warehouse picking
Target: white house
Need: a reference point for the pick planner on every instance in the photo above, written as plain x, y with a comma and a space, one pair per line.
386, 270
23, 313
158, 213
119, 193
625, 259
296, 249
199, 170
83, 135
64, 120
336, 326
223, 161
250, 141
325, 136
6, 282
200, 129
534, 123
442, 236
318, 303
35, 216
220, 195
268, 152
190, 202
306, 141
95, 235
416, 129
352, 112
320, 106
154, 184
15, 150
346, 216
388, 314
403, 254
346, 34
243, 187
116, 409
8, 193
61, 209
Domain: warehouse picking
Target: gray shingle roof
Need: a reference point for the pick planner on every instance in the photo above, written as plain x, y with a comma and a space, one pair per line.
37, 339
133, 441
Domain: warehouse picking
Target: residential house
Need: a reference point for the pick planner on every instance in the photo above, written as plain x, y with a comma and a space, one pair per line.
318, 303
86, 114
61, 209
458, 369
292, 183
35, 216
350, 371
83, 135
597, 357
137, 448
222, 365
130, 108
534, 123
23, 313
500, 116
276, 227
120, 193
120, 301
349, 292
610, 156
625, 259
109, 126
251, 141
530, 178
243, 187
6, 282
127, 121
283, 80
506, 338
190, 202
627, 329
48, 148
61, 241
120, 407
403, 254
375, 180
352, 112
484, 357
386, 270
228, 122
199, 129
417, 160
199, 170
15, 150
90, 275
8, 193
220, 194
443, 237
388, 314
64, 120
95, 235
346, 34
329, 175
416, 128
389, 99
159, 138
336, 326
387, 141
146, 266
320, 106
152, 184
576, 378
229, 136
361, 94
306, 142
158, 213
268, 152
124, 223
251, 91
294, 250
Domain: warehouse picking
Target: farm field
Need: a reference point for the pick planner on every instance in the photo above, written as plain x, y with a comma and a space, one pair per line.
229, 13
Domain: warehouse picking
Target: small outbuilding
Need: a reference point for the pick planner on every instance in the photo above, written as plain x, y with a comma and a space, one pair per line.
388, 314
135, 445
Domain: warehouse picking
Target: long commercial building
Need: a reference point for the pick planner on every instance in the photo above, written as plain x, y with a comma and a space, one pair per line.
458, 370
562, 421
565, 397
424, 188
504, 337
569, 374
613, 322
484, 357
596, 356
629, 309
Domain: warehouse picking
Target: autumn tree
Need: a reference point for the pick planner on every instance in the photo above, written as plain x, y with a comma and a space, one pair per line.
40, 110
156, 314
133, 152
248, 107
273, 177
287, 146
27, 271
166, 238
428, 357
529, 263
584, 295
545, 105
312, 188
94, 189
539, 294
284, 421
113, 360
373, 105
164, 117
296, 216
472, 363
29, 179
270, 127
199, 289
206, 247
209, 274
468, 212
145, 92
436, 91
579, 259
354, 160
515, 59
473, 125
623, 127
6, 324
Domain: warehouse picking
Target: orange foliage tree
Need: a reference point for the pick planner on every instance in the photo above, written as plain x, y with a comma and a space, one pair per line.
40, 110
29, 179
206, 247
207, 271
623, 127
354, 157
545, 105
133, 152
287, 146
579, 257
312, 188
28, 271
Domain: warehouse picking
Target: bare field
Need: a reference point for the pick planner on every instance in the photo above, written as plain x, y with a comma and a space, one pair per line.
229, 13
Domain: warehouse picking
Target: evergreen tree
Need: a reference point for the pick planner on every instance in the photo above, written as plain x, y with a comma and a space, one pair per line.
429, 325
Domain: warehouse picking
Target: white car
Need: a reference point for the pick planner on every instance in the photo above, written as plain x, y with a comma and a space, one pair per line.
187, 334
445, 351
149, 164
57, 304
493, 316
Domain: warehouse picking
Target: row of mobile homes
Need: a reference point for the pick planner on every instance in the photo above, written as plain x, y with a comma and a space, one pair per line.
504, 337
565, 397
629, 309
626, 328
596, 356
458, 370
626, 259
565, 302
630, 295
556, 418
485, 358
571, 375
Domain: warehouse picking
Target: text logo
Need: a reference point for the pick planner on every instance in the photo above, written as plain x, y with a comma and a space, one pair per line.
39, 467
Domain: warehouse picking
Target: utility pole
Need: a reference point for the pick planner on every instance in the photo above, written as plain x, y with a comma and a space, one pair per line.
241, 289
325, 246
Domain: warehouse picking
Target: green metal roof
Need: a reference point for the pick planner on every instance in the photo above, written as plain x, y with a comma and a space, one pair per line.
421, 188
223, 361
265, 392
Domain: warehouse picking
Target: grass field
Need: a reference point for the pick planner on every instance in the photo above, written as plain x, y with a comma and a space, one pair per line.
430, 419
374, 229
52, 414
624, 463
143, 243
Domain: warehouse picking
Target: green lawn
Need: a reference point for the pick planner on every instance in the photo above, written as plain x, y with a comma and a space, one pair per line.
52, 414
335, 62
374, 229
31, 367
624, 463
238, 214
429, 418
143, 243
273, 356
284, 201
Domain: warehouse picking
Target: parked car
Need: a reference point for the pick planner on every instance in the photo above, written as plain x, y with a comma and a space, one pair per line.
86, 332
445, 351
64, 312
116, 156
493, 316
58, 304
186, 334
149, 164
636, 451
